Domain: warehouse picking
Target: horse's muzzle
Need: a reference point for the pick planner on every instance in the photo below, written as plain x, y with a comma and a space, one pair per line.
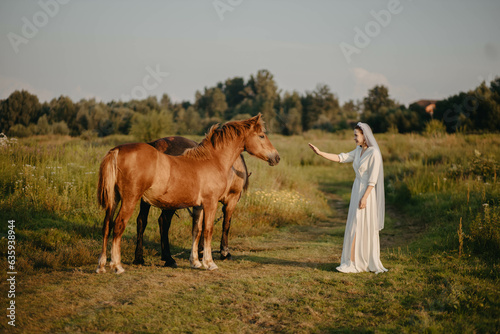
274, 159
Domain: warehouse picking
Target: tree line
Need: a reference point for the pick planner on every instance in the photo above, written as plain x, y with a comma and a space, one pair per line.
288, 113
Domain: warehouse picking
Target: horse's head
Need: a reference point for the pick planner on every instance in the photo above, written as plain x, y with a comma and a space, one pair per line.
257, 143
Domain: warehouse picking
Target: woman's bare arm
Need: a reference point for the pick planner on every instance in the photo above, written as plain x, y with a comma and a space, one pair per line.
329, 156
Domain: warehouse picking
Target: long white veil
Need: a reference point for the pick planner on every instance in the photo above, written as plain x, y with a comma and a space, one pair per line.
379, 186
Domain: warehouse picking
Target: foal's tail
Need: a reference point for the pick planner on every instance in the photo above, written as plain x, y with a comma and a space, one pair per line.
108, 173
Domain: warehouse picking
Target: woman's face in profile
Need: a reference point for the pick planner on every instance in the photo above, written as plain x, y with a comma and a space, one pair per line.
358, 137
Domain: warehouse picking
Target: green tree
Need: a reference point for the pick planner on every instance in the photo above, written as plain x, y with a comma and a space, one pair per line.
310, 112
122, 118
290, 115
165, 102
378, 98
328, 106
20, 107
83, 119
192, 121
351, 110
321, 109
266, 93
246, 107
485, 109
234, 90
63, 109
212, 103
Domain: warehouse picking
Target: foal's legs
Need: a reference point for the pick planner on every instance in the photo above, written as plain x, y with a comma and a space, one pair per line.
107, 225
198, 215
142, 222
124, 215
209, 211
164, 222
228, 210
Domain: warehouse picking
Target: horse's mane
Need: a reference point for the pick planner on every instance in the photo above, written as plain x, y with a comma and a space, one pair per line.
218, 136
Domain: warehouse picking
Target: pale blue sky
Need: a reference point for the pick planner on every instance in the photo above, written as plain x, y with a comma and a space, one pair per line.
106, 49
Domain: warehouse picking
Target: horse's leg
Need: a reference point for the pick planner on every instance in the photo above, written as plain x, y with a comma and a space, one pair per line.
142, 222
107, 225
196, 232
228, 210
164, 222
209, 211
121, 220
198, 219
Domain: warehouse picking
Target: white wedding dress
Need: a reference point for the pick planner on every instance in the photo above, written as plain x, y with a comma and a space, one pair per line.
362, 225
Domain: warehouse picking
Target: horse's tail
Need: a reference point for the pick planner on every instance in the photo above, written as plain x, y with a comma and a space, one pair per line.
108, 173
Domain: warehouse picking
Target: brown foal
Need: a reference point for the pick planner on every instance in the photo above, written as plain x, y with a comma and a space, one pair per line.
238, 182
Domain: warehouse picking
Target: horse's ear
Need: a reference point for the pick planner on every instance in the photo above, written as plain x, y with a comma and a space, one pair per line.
258, 121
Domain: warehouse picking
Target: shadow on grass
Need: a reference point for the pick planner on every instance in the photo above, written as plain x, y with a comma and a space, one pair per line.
289, 263
38, 221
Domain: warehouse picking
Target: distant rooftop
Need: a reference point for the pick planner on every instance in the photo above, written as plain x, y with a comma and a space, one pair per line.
429, 105
425, 103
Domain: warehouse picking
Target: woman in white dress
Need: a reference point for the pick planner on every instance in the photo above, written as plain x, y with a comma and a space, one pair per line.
361, 250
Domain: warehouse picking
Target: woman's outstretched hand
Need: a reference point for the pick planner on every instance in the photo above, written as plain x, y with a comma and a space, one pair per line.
314, 148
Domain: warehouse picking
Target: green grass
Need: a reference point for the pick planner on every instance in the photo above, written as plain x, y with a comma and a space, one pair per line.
286, 241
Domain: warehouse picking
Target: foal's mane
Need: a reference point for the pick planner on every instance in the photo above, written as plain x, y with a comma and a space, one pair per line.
219, 136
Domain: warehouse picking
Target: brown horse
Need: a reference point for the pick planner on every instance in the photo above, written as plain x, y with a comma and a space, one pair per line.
197, 178
239, 181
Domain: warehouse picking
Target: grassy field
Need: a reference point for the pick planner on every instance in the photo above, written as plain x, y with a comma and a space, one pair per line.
440, 244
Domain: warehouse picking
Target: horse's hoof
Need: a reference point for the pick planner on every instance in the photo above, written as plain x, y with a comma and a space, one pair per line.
170, 264
100, 270
212, 266
139, 262
196, 265
119, 270
225, 257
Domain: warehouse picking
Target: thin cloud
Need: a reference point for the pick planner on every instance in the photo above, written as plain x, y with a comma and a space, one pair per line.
365, 80
8, 85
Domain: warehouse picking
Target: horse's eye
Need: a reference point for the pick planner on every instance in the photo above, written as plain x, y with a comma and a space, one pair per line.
262, 136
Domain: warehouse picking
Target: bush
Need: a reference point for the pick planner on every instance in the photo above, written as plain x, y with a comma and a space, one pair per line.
43, 126
60, 128
20, 131
434, 128
485, 231
151, 126
479, 168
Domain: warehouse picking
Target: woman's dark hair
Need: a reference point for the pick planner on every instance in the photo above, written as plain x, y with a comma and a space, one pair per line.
359, 128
